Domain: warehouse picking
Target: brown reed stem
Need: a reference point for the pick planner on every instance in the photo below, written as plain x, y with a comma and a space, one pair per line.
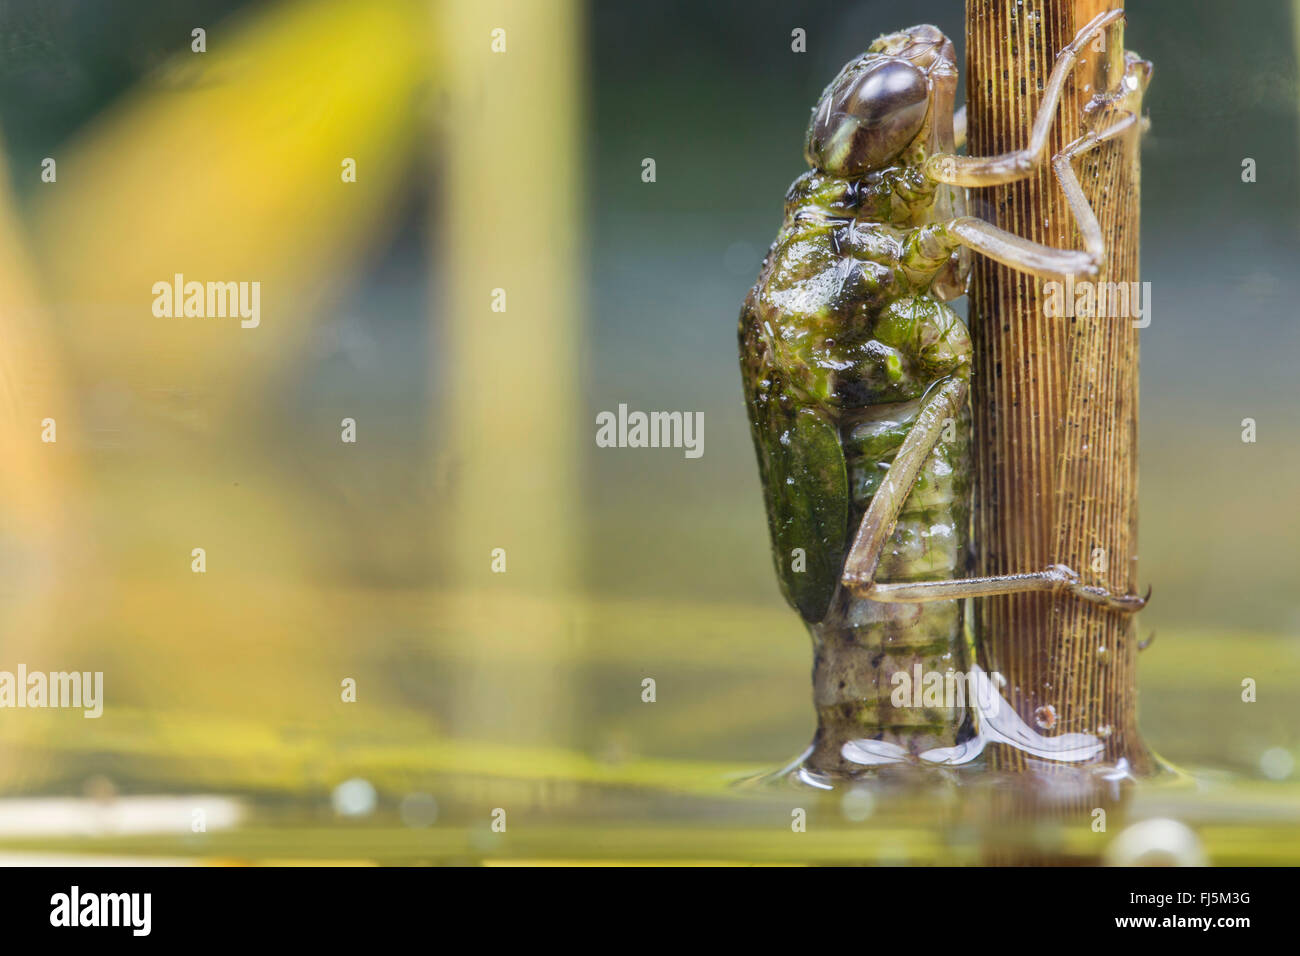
1054, 398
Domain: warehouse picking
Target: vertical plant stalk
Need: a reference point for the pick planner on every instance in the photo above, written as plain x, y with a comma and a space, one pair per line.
1055, 398
508, 346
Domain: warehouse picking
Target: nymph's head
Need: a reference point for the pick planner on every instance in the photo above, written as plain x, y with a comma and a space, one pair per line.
899, 93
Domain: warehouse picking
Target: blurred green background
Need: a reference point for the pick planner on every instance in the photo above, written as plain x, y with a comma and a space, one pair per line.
372, 561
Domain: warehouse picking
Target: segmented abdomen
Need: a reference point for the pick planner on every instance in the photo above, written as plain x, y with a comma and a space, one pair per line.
862, 644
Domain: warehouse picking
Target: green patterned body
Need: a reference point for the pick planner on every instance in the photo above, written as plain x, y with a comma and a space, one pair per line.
841, 339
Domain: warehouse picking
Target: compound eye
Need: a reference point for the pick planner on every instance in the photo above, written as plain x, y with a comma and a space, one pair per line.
889, 103
868, 118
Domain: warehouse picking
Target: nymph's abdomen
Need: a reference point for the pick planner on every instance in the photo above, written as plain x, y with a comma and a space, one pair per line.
861, 644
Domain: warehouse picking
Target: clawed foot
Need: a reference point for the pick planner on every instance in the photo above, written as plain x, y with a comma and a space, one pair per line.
1068, 581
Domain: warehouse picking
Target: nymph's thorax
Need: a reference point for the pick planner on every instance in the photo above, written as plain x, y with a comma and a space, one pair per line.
900, 196
840, 300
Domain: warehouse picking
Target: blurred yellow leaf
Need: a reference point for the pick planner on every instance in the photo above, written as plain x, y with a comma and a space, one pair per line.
235, 176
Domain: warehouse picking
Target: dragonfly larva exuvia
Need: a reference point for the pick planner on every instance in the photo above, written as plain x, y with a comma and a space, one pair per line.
856, 374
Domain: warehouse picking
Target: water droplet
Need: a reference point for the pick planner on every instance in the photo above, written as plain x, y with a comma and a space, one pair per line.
1045, 716
354, 798
100, 789
1276, 763
419, 810
857, 804
1103, 654
1157, 842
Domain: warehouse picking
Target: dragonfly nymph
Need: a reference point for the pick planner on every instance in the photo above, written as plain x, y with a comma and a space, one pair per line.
856, 373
